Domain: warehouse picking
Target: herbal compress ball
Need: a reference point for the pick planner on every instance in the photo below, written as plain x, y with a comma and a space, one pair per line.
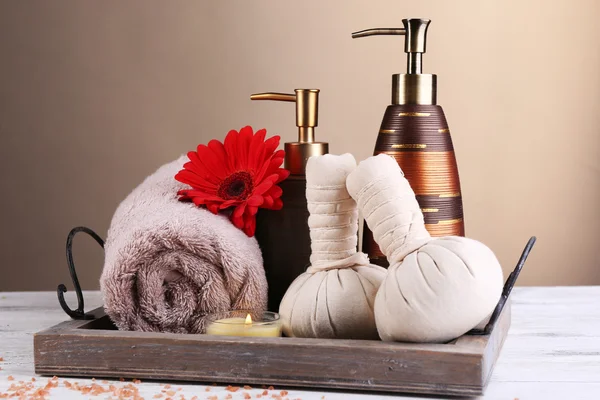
336, 296
436, 289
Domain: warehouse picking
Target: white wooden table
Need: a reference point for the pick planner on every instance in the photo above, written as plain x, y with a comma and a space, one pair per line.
552, 351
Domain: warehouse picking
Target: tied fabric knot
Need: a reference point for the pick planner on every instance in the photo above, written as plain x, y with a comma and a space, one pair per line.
389, 207
358, 259
333, 226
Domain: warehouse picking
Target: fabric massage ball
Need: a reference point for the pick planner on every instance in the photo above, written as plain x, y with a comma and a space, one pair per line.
436, 289
335, 297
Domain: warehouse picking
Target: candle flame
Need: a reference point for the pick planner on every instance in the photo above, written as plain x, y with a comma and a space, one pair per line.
248, 320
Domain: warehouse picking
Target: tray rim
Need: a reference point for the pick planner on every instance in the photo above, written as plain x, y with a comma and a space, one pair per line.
481, 351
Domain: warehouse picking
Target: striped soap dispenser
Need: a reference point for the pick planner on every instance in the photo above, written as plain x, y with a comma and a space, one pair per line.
414, 131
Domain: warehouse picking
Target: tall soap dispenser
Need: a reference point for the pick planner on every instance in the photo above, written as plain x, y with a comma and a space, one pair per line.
283, 235
414, 131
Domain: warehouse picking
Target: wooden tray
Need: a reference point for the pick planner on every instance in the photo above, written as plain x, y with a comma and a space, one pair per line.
96, 349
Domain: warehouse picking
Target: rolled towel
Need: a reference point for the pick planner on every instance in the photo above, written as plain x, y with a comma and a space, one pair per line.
169, 263
436, 289
335, 297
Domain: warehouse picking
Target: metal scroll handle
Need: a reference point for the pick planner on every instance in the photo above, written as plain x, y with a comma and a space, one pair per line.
508, 286
78, 313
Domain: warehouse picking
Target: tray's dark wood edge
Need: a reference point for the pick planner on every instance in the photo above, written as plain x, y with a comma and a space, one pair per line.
71, 324
450, 390
279, 380
495, 343
483, 350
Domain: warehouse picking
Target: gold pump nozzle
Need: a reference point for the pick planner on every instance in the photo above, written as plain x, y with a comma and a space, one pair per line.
414, 87
307, 118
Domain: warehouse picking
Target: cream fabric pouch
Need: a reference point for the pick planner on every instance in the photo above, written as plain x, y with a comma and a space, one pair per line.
436, 289
335, 297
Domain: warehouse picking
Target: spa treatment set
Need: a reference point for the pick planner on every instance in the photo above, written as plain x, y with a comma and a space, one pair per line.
239, 239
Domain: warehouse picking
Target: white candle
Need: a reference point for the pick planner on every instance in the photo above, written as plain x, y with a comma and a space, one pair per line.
239, 326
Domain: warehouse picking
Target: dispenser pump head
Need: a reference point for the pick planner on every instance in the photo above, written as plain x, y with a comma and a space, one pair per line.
414, 87
307, 118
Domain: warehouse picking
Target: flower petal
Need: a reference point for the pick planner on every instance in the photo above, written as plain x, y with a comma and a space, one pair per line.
195, 181
256, 149
238, 222
270, 145
275, 191
271, 165
277, 204
203, 195
193, 157
249, 225
259, 176
279, 154
283, 174
255, 201
273, 178
219, 150
228, 203
199, 201
263, 187
213, 207
268, 202
211, 162
230, 145
183, 196
239, 210
243, 146
200, 169
276, 162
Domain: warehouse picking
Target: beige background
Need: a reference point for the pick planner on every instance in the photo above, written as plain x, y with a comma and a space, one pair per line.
96, 95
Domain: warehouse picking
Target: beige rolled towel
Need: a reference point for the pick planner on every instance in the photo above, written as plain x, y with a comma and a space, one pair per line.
169, 263
437, 288
335, 297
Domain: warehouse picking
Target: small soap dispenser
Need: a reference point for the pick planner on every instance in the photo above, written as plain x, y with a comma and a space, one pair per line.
414, 131
283, 235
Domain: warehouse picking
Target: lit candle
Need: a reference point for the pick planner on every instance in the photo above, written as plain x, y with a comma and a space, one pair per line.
264, 324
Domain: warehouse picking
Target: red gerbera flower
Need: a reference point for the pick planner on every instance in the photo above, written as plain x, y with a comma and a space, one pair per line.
243, 172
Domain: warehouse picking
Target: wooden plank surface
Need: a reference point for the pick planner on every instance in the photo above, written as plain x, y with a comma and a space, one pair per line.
552, 351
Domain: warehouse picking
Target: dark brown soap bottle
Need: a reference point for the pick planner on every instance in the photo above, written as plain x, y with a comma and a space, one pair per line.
414, 131
283, 235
